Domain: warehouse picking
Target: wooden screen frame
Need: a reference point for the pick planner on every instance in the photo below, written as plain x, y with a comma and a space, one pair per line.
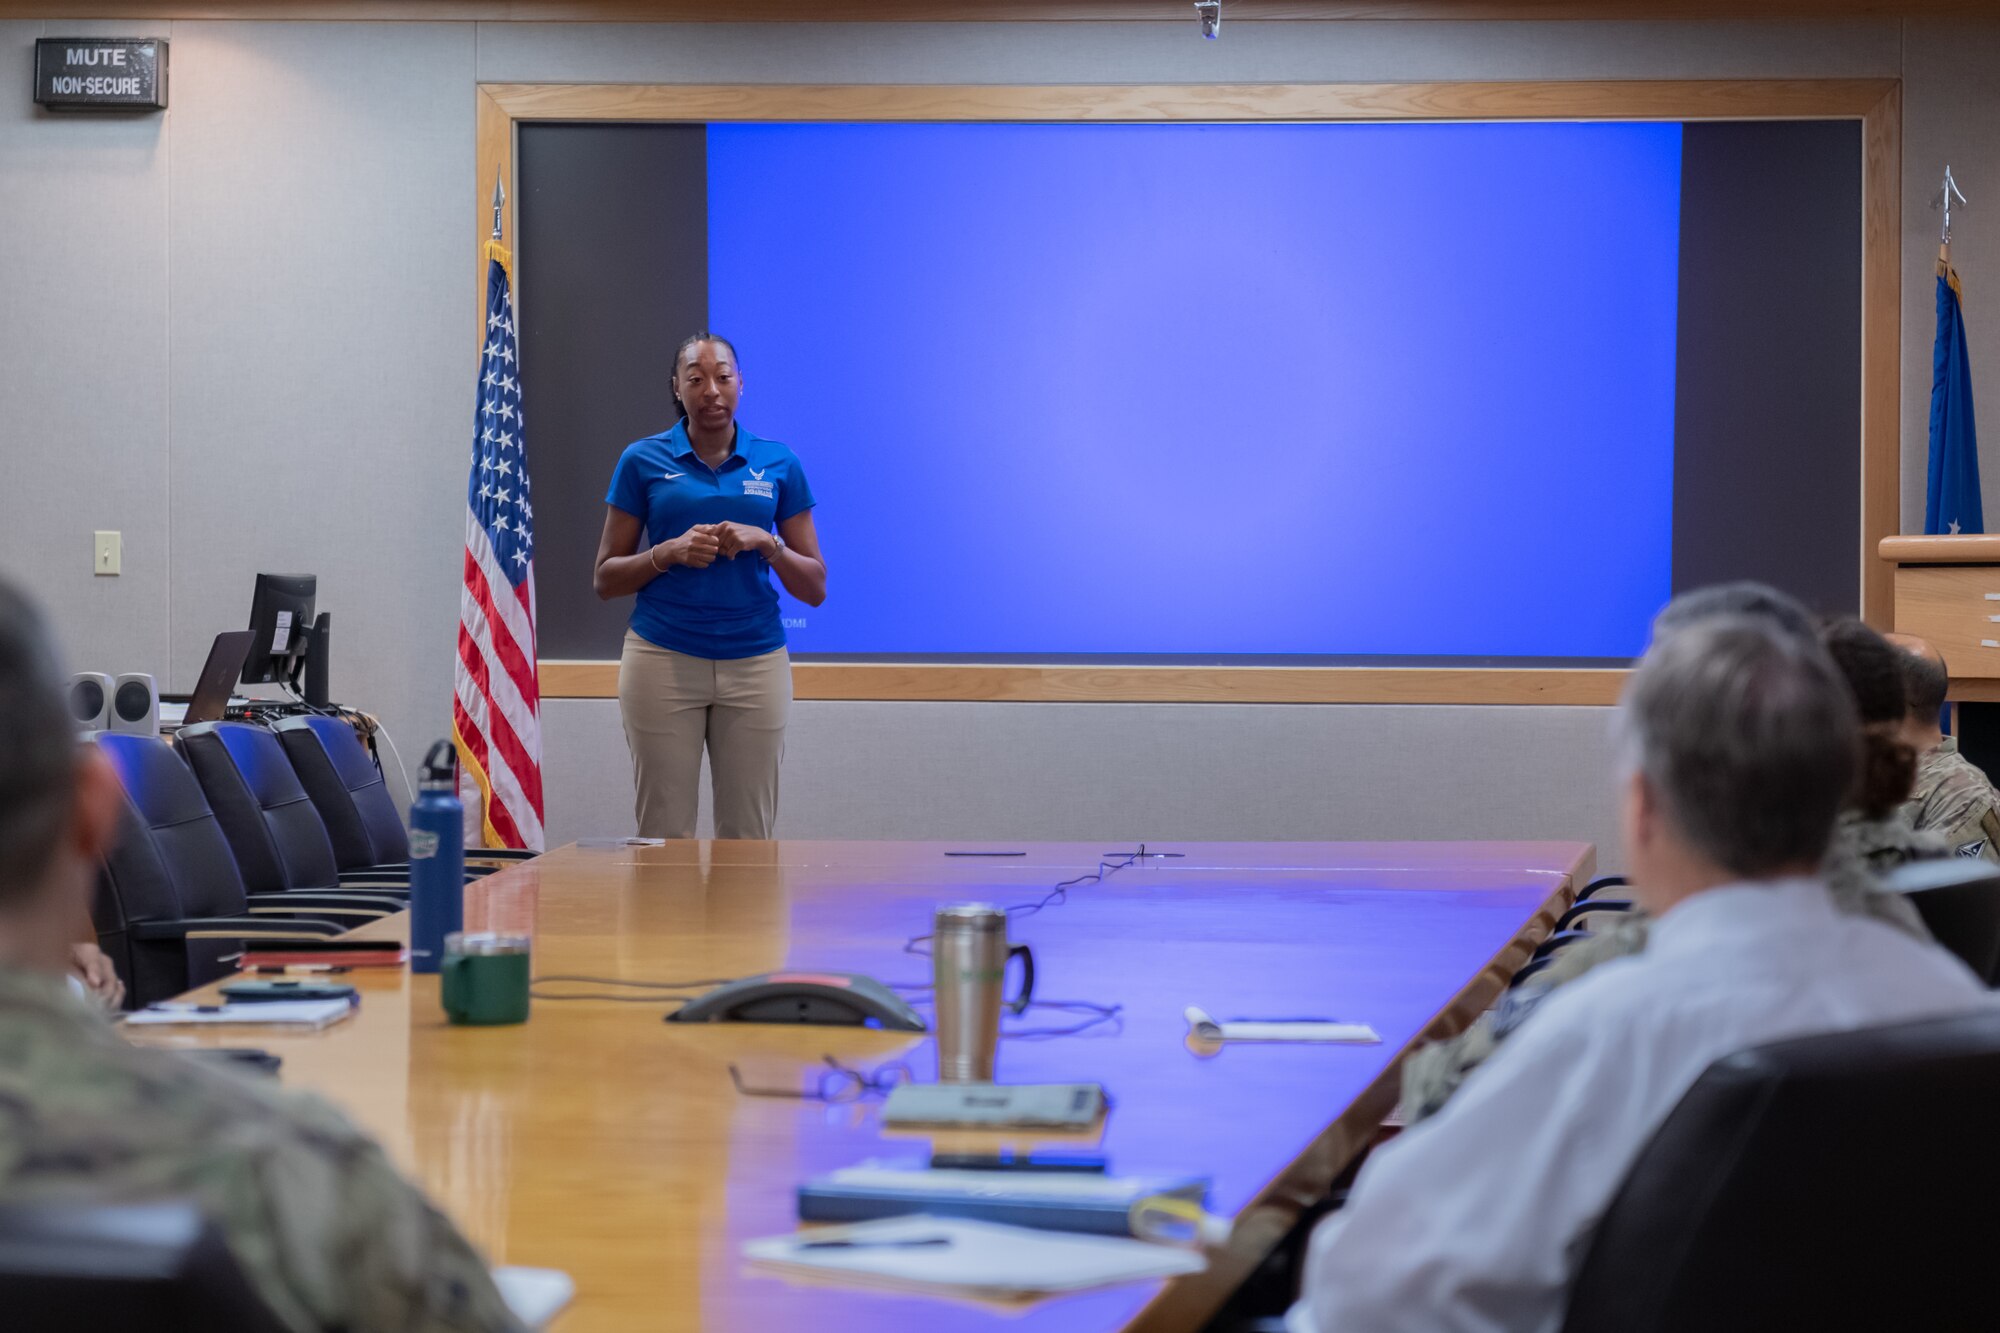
1876, 103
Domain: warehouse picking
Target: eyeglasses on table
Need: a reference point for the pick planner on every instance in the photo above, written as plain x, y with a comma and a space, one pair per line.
836, 1083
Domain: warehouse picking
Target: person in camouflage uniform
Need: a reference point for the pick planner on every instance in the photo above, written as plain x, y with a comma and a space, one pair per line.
1870, 840
1952, 797
326, 1231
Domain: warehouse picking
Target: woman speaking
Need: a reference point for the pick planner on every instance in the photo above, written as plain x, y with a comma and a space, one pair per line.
705, 660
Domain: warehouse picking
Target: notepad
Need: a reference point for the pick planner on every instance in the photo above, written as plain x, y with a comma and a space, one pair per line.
1326, 1030
1355, 1034
535, 1295
308, 1015
980, 1259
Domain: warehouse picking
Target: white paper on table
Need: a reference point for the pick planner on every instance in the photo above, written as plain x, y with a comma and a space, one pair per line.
1061, 1186
535, 1295
273, 1013
1355, 1033
984, 1259
1308, 1030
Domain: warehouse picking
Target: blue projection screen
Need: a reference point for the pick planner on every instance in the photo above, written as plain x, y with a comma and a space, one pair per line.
1213, 390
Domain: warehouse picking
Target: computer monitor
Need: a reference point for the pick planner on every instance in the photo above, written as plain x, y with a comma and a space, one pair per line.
281, 618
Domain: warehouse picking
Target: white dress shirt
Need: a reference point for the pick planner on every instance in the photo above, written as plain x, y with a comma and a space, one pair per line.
1478, 1218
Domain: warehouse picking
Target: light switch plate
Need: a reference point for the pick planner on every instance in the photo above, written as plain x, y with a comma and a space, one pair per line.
110, 553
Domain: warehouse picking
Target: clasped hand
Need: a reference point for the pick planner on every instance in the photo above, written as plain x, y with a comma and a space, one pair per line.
701, 545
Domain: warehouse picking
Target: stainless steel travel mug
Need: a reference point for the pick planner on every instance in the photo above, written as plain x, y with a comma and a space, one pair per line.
969, 954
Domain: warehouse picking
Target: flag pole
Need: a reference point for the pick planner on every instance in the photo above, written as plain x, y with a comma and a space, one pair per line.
494, 249
1945, 194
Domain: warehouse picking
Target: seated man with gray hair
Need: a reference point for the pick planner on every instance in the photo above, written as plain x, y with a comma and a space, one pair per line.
1739, 744
1868, 840
326, 1231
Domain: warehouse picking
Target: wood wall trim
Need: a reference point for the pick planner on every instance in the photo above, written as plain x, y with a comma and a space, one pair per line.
1581, 99
493, 152
1146, 684
1877, 103
978, 11
1881, 348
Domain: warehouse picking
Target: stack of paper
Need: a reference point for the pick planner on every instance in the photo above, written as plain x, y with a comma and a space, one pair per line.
535, 1295
1326, 1030
980, 1259
310, 1015
1081, 1187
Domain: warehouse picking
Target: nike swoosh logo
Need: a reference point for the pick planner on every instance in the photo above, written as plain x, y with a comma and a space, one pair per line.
673, 476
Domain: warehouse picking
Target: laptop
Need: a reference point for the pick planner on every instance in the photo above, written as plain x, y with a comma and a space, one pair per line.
218, 678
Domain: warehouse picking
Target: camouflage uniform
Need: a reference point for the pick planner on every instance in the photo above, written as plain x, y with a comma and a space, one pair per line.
1862, 849
323, 1226
1954, 800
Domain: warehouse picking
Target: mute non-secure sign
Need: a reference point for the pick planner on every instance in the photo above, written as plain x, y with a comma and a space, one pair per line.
101, 74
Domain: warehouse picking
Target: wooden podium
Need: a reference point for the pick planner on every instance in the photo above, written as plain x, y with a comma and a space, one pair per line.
1948, 591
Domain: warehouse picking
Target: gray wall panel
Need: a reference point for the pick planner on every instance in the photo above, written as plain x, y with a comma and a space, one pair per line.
323, 320
1124, 771
1168, 52
83, 364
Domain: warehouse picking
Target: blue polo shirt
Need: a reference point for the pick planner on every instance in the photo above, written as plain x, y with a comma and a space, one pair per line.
730, 609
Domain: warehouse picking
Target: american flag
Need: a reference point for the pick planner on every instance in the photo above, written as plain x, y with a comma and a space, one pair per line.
496, 716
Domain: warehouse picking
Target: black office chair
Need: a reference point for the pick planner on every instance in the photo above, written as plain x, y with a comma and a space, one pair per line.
1545, 954
1834, 1182
1959, 900
1593, 907
277, 836
156, 1267
170, 903
353, 801
1529, 970
1599, 885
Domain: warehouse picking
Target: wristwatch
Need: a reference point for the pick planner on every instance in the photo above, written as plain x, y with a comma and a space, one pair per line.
777, 546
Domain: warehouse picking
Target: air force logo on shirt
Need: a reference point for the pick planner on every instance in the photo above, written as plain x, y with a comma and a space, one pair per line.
755, 484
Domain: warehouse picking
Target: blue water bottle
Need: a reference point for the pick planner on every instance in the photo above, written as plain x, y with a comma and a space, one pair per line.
437, 860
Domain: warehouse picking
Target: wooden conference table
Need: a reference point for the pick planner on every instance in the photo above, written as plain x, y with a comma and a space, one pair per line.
598, 1140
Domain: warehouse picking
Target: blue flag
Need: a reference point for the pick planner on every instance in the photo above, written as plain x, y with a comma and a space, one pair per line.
1952, 503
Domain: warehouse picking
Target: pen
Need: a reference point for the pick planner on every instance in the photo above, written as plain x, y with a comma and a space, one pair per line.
914, 1243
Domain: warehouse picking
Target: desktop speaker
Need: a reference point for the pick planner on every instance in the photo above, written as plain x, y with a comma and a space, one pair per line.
90, 700
135, 704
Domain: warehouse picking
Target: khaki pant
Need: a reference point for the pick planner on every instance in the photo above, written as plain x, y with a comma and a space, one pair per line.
673, 704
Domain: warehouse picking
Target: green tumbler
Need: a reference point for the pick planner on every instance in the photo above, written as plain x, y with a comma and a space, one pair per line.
485, 978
